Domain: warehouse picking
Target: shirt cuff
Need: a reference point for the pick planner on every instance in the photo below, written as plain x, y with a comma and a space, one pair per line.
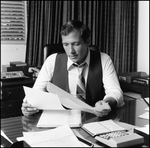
117, 96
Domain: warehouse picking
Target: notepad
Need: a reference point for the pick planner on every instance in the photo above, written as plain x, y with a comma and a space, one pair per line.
55, 118
101, 127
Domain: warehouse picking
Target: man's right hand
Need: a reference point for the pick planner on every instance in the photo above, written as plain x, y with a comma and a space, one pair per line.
27, 109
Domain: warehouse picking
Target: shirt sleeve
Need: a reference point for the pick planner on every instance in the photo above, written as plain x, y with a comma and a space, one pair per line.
110, 80
46, 73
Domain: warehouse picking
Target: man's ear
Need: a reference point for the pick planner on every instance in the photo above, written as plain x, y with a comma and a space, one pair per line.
88, 41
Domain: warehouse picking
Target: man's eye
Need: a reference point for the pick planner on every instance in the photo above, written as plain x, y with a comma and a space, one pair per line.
64, 44
76, 44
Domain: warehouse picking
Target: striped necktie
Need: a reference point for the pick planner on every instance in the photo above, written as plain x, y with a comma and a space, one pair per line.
80, 91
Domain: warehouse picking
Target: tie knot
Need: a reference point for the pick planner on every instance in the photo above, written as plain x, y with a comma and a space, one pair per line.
80, 66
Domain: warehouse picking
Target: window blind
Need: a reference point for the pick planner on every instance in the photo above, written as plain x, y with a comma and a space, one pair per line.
13, 22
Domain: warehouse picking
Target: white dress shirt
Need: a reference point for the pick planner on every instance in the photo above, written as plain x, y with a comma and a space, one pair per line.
110, 79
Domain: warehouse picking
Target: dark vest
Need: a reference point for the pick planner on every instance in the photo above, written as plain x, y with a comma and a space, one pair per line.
94, 88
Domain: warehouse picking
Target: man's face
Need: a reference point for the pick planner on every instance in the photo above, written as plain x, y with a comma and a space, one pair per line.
75, 48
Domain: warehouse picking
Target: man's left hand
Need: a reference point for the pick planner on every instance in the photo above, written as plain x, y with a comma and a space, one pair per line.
102, 108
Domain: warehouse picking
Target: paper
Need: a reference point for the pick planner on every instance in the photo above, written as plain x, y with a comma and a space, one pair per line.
146, 99
70, 101
111, 125
64, 96
20, 138
4, 135
42, 100
56, 118
144, 115
61, 136
55, 98
144, 129
147, 109
97, 128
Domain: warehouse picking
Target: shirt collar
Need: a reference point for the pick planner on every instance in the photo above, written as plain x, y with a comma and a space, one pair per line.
87, 60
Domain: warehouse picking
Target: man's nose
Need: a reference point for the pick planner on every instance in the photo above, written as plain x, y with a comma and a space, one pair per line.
71, 49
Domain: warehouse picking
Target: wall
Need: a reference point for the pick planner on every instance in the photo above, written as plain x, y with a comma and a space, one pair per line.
13, 52
143, 37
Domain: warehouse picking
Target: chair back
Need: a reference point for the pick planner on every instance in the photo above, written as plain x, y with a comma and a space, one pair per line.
58, 48
52, 48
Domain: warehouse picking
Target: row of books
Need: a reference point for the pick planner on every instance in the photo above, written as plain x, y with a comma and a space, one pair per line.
140, 78
18, 63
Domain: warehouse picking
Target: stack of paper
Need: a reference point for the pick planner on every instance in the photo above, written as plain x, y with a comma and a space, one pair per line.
61, 136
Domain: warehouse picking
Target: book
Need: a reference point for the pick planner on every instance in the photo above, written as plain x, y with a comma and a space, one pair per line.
18, 63
127, 77
102, 127
143, 80
55, 118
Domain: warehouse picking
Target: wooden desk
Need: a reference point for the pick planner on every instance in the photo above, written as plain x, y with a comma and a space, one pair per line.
13, 127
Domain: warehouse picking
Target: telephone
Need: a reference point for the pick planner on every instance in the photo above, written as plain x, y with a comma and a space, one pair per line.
120, 139
34, 70
12, 75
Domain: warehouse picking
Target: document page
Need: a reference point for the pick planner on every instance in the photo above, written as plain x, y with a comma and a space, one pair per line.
54, 118
42, 100
111, 125
70, 101
61, 136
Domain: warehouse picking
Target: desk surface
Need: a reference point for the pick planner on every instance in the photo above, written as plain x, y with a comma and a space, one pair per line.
127, 116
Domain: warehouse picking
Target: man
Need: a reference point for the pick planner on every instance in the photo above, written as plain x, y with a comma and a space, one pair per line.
100, 78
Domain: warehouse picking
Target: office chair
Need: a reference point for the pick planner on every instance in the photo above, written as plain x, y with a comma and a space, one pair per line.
49, 49
58, 48
52, 48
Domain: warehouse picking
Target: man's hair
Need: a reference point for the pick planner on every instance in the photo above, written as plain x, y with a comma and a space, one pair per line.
78, 26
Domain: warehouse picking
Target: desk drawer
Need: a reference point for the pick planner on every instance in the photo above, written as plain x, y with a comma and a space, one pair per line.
9, 94
12, 107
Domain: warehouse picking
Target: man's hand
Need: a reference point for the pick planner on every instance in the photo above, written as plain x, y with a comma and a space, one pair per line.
102, 108
27, 109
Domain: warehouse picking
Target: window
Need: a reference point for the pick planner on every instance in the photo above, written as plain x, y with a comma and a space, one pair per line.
13, 22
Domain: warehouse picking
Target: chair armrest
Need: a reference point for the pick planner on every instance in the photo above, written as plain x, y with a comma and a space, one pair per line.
34, 70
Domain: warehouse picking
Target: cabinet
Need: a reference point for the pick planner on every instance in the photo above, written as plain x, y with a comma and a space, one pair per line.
140, 89
12, 95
